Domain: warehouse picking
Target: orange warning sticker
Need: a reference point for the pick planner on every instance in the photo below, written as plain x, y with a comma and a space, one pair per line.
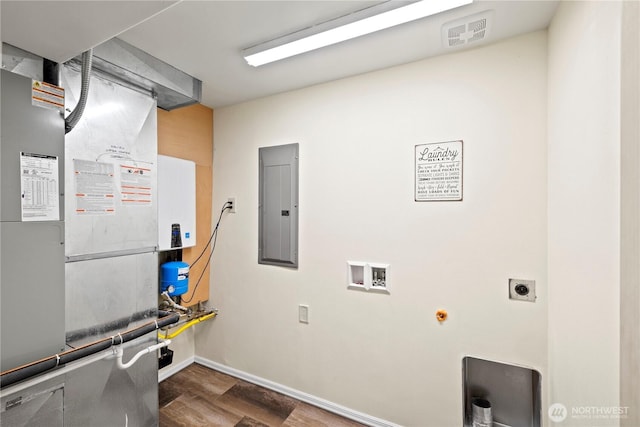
47, 95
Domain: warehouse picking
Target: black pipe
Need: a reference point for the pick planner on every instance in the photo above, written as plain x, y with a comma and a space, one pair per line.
167, 318
28, 371
24, 372
85, 351
111, 326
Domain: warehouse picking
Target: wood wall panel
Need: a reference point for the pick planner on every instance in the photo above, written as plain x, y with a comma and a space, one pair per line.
187, 133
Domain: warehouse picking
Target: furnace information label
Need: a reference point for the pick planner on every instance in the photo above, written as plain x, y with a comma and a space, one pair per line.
135, 183
39, 188
95, 188
438, 171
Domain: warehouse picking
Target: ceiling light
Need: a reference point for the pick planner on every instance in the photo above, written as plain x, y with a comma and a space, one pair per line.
354, 25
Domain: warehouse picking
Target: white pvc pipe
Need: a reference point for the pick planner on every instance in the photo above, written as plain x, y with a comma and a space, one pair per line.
109, 353
138, 355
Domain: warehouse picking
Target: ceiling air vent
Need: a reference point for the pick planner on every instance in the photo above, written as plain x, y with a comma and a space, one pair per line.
468, 30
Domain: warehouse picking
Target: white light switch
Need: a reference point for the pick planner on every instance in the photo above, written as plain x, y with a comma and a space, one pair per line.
303, 313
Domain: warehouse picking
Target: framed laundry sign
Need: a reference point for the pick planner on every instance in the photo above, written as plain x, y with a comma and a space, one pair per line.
438, 171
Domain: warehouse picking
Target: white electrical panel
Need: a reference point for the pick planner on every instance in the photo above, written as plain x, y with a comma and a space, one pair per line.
176, 203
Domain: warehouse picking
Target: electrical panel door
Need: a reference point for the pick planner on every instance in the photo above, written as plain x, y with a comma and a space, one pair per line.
278, 205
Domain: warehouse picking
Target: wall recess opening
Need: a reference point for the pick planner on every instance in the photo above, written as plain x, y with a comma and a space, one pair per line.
368, 276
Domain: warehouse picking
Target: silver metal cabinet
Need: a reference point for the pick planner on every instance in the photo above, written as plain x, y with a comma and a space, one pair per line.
111, 268
39, 406
101, 395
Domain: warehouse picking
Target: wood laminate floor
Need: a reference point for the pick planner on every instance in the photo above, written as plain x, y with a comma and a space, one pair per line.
199, 396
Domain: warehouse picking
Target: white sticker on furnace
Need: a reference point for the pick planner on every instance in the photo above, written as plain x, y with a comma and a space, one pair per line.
39, 187
94, 187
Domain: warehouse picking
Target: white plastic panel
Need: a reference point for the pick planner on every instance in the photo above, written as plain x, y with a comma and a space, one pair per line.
176, 202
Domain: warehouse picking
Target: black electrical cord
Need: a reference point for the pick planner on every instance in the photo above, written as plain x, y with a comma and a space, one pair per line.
203, 270
226, 206
214, 237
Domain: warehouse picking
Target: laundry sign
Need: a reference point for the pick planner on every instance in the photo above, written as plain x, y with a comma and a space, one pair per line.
438, 171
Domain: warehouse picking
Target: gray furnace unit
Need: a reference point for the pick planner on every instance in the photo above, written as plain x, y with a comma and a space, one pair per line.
32, 290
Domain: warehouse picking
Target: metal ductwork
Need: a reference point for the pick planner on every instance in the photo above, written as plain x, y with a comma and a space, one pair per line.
171, 87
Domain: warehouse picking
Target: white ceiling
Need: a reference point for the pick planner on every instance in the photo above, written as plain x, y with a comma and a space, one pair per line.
205, 38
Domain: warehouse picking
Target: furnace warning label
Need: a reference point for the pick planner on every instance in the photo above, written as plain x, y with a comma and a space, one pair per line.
47, 95
135, 183
39, 187
94, 188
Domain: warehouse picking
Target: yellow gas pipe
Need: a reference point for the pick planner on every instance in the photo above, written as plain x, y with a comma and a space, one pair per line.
186, 326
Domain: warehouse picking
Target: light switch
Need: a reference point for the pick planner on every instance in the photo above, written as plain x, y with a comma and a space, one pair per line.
303, 313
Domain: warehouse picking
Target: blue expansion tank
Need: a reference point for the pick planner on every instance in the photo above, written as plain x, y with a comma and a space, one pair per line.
174, 277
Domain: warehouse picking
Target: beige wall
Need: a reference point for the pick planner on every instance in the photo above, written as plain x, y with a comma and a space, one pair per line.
386, 355
584, 208
630, 215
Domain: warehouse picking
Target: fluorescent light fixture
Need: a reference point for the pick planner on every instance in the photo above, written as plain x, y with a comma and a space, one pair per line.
337, 30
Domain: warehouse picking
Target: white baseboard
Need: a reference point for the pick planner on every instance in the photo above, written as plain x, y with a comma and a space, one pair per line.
296, 394
174, 368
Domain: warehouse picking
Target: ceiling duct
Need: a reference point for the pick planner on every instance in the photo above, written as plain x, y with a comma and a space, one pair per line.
22, 62
171, 87
468, 30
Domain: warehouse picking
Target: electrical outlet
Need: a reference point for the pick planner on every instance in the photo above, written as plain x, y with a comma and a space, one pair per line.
303, 313
523, 290
232, 202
